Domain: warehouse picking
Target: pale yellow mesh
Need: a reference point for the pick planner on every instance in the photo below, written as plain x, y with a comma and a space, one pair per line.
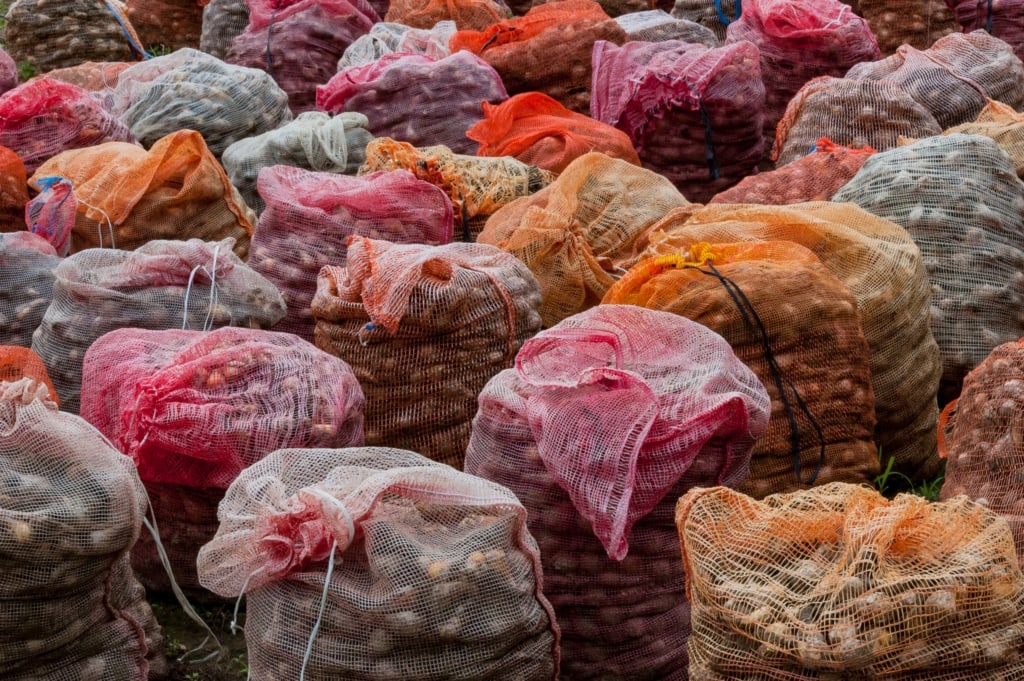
1001, 123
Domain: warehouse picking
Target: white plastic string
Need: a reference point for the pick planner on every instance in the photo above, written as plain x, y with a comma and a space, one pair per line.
335, 502
238, 601
99, 225
320, 615
212, 273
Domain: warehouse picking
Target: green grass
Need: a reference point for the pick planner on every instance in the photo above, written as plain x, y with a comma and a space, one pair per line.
891, 482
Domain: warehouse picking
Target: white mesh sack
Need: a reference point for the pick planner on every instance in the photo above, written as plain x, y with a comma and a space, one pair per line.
387, 36
656, 25
27, 262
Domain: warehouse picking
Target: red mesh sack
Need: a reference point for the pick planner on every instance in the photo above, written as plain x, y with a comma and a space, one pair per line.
797, 326
693, 113
223, 21
1002, 18
1001, 123
128, 196
171, 24
43, 117
400, 95
18, 362
424, 328
840, 582
91, 76
547, 50
539, 131
27, 264
472, 15
13, 191
599, 475
917, 23
310, 216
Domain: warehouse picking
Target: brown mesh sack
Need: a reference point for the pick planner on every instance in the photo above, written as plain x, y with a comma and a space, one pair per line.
797, 326
223, 21
13, 191
373, 563
839, 582
539, 131
579, 234
1001, 123
470, 15
1002, 18
162, 285
128, 196
18, 362
854, 113
883, 268
960, 199
599, 475
655, 25
716, 16
71, 507
477, 186
91, 76
614, 8
424, 328
170, 24
917, 23
27, 264
546, 50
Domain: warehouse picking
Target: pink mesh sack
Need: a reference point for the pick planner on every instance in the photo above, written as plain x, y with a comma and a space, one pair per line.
27, 264
416, 98
372, 563
607, 418
310, 216
9, 76
1003, 19
694, 114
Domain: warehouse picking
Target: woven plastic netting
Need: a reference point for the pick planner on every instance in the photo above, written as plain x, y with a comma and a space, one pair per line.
27, 264
190, 90
840, 582
9, 76
655, 25
91, 76
17, 363
547, 50
474, 15
386, 37
917, 23
13, 191
477, 186
171, 24
417, 98
799, 40
537, 130
884, 271
193, 409
71, 507
607, 418
855, 113
310, 216
694, 113
955, 77
223, 21
380, 564
579, 234
1001, 123
313, 141
960, 199
797, 326
716, 16
162, 285
43, 117
300, 42
52, 35
614, 8
1002, 18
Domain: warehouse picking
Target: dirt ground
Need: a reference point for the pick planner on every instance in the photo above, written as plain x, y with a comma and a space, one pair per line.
182, 635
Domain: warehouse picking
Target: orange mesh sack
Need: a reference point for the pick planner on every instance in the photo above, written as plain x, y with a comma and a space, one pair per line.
424, 328
128, 196
18, 362
854, 113
546, 50
539, 131
171, 23
91, 76
71, 507
797, 326
655, 25
13, 192
1001, 123
839, 582
960, 199
606, 420
917, 23
883, 268
579, 234
614, 8
27, 264
477, 186
471, 15
373, 563
223, 21
162, 285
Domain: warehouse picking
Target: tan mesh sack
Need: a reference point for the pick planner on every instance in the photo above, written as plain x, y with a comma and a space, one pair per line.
917, 23
170, 23
27, 264
465, 14
655, 25
1001, 123
606, 420
838, 582
223, 21
386, 565
425, 328
797, 326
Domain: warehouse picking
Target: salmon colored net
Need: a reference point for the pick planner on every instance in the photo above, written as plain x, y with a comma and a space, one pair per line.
614, 8
13, 191
170, 23
17, 363
917, 23
27, 264
468, 15
797, 326
1001, 123
91, 76
839, 582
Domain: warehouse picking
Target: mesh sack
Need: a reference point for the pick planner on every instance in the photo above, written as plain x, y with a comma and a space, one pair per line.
474, 15
386, 37
313, 141
599, 478
310, 217
547, 50
41, 118
171, 24
27, 264
71, 506
477, 186
52, 35
917, 23
716, 16
300, 44
161, 285
17, 363
387, 565
839, 582
797, 326
960, 199
799, 40
128, 196
693, 113
855, 113
223, 21
655, 25
13, 191
1002, 124
91, 76
883, 269
1002, 18
399, 94
616, 8
538, 131
578, 235
9, 76
424, 328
